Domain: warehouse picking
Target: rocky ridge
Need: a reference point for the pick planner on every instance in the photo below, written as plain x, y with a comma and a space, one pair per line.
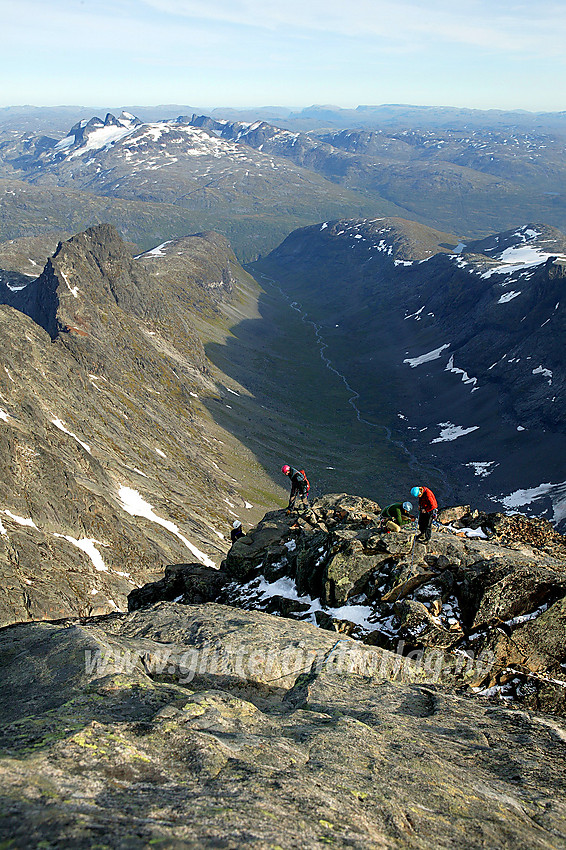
485, 600
208, 726
102, 397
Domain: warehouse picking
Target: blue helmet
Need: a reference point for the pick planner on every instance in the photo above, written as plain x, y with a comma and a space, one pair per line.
407, 506
415, 492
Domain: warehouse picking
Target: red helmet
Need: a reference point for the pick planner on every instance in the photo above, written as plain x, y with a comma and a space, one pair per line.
285, 469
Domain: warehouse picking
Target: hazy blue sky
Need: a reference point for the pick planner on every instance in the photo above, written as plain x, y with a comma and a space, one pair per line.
475, 53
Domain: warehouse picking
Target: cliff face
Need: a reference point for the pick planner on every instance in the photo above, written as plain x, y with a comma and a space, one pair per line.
102, 476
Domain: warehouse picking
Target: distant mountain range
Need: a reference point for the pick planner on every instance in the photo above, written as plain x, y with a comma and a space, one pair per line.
472, 180
178, 164
256, 181
399, 115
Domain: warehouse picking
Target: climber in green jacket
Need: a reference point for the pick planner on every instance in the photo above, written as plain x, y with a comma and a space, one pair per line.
397, 515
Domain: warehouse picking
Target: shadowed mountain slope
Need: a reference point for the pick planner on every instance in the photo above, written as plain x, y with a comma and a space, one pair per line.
459, 354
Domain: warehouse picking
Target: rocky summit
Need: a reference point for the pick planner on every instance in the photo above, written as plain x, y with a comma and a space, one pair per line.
404, 696
484, 602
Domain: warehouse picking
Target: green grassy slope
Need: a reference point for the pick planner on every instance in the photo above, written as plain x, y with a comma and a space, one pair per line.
27, 210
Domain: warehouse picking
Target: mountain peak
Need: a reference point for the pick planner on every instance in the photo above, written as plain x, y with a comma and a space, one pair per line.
91, 271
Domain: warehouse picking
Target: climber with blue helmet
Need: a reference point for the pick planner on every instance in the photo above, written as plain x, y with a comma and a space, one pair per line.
428, 507
397, 515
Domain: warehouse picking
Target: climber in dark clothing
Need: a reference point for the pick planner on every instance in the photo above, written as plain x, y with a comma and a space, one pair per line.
397, 515
299, 486
428, 507
237, 531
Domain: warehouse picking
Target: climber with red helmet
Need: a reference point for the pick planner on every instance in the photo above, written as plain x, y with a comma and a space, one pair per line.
299, 485
428, 507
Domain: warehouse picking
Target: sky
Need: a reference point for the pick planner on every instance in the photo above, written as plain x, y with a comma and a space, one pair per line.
504, 54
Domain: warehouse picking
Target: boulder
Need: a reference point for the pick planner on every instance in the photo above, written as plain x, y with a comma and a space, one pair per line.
408, 579
187, 583
508, 592
260, 548
286, 607
347, 573
419, 628
452, 515
542, 640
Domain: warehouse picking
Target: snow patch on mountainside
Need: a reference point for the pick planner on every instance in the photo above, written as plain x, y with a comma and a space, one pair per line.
482, 468
102, 138
61, 426
520, 257
451, 432
540, 370
286, 588
157, 251
555, 492
89, 548
134, 504
508, 296
456, 371
426, 358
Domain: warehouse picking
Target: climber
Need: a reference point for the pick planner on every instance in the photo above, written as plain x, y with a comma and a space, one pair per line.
299, 486
427, 511
397, 515
237, 531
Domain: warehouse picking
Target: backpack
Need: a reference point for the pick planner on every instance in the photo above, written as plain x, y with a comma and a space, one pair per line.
304, 474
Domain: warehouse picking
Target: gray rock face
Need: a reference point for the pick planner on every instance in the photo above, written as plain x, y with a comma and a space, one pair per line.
97, 266
203, 726
463, 597
187, 583
103, 481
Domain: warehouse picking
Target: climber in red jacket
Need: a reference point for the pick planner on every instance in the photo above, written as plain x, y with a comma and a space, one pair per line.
427, 511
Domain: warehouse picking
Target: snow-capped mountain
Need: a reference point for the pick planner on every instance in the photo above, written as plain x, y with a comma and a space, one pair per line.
468, 180
166, 161
252, 196
472, 179
459, 349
